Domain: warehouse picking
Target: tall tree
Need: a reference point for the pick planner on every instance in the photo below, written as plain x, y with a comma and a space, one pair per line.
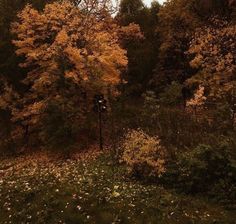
176, 22
142, 54
214, 49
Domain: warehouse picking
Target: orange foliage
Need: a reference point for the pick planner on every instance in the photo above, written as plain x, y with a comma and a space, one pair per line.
62, 40
214, 48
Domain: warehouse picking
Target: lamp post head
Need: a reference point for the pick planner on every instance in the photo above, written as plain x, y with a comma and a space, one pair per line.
99, 103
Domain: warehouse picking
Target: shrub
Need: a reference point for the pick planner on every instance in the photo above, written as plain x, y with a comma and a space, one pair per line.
143, 154
59, 132
203, 167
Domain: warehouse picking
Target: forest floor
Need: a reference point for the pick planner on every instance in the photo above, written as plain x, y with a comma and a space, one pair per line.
37, 189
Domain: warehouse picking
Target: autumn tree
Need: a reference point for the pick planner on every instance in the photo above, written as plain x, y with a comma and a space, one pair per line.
214, 49
213, 52
10, 73
178, 20
70, 56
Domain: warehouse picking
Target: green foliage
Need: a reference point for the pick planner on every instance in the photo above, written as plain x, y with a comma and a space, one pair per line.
151, 106
172, 94
143, 154
130, 9
203, 167
59, 133
223, 116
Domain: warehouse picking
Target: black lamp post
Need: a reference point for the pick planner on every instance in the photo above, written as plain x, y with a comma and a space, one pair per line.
100, 107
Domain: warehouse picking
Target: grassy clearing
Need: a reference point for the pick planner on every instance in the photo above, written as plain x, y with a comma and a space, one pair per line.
39, 190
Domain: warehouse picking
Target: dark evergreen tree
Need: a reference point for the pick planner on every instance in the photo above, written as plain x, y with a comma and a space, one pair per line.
142, 56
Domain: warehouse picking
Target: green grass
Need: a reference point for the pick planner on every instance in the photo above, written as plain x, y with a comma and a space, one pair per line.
35, 191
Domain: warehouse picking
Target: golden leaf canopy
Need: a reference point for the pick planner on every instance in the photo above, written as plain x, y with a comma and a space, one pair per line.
62, 41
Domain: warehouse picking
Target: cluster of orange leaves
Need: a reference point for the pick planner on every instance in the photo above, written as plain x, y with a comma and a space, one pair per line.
214, 50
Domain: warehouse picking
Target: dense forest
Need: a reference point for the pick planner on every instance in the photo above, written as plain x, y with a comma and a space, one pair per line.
124, 92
